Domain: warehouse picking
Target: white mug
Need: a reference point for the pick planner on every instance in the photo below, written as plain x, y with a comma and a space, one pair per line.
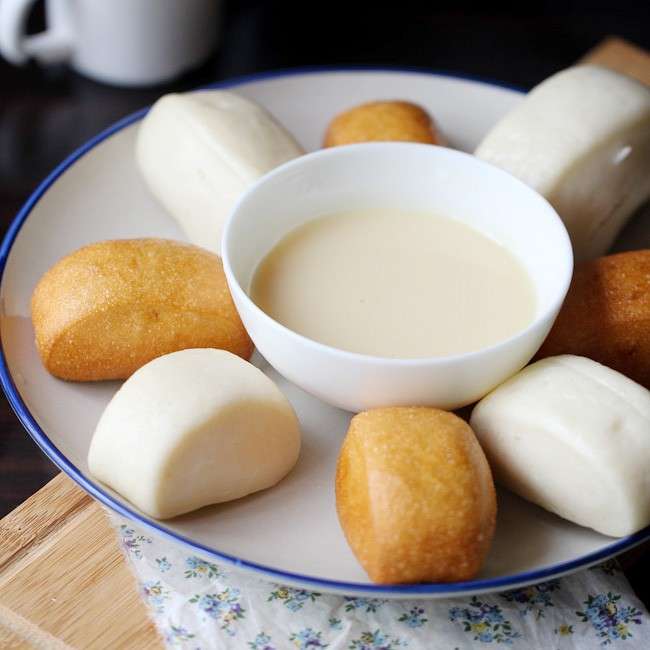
122, 42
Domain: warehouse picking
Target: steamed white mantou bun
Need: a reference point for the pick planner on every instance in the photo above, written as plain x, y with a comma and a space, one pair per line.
582, 140
198, 152
192, 428
572, 436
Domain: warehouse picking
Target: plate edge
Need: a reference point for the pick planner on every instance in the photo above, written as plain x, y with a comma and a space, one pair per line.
431, 590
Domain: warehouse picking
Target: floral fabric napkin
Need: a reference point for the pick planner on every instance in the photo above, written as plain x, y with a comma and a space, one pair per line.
196, 603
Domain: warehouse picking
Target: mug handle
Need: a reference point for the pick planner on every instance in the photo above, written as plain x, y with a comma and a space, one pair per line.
51, 46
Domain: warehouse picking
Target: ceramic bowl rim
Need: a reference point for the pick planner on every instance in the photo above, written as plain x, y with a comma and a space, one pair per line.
553, 305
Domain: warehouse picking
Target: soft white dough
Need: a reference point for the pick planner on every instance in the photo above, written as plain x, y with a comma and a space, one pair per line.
572, 436
198, 152
193, 428
581, 139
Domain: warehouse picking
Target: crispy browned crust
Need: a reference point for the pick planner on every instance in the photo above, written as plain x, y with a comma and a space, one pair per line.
415, 496
606, 315
382, 121
105, 310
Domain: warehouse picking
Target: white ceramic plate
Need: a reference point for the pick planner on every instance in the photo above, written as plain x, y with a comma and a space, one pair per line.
289, 533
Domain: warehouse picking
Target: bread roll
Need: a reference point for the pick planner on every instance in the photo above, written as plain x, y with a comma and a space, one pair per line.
582, 140
382, 121
414, 495
198, 152
109, 308
572, 436
193, 428
606, 315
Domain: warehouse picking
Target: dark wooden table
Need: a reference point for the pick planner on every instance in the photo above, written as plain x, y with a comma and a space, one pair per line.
46, 114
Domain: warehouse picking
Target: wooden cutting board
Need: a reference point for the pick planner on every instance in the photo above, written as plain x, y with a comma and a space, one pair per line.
63, 580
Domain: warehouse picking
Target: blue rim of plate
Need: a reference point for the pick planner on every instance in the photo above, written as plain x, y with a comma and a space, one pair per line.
53, 453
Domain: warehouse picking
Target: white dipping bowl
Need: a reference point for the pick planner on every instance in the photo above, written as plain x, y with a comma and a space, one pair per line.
411, 177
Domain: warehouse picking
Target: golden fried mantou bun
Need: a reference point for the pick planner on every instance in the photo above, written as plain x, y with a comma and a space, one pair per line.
109, 308
606, 315
382, 122
414, 495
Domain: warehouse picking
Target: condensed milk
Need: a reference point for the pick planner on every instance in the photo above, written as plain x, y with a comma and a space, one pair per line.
394, 284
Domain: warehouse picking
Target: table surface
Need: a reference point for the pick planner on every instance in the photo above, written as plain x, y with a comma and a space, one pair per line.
47, 113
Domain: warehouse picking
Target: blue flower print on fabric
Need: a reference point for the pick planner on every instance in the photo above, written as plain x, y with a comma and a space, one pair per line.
610, 619
307, 639
376, 640
177, 635
486, 623
224, 607
369, 605
198, 568
414, 617
293, 599
262, 642
155, 595
132, 542
534, 598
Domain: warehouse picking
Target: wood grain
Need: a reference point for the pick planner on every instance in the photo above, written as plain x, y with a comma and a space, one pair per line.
63, 579
619, 55
25, 527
